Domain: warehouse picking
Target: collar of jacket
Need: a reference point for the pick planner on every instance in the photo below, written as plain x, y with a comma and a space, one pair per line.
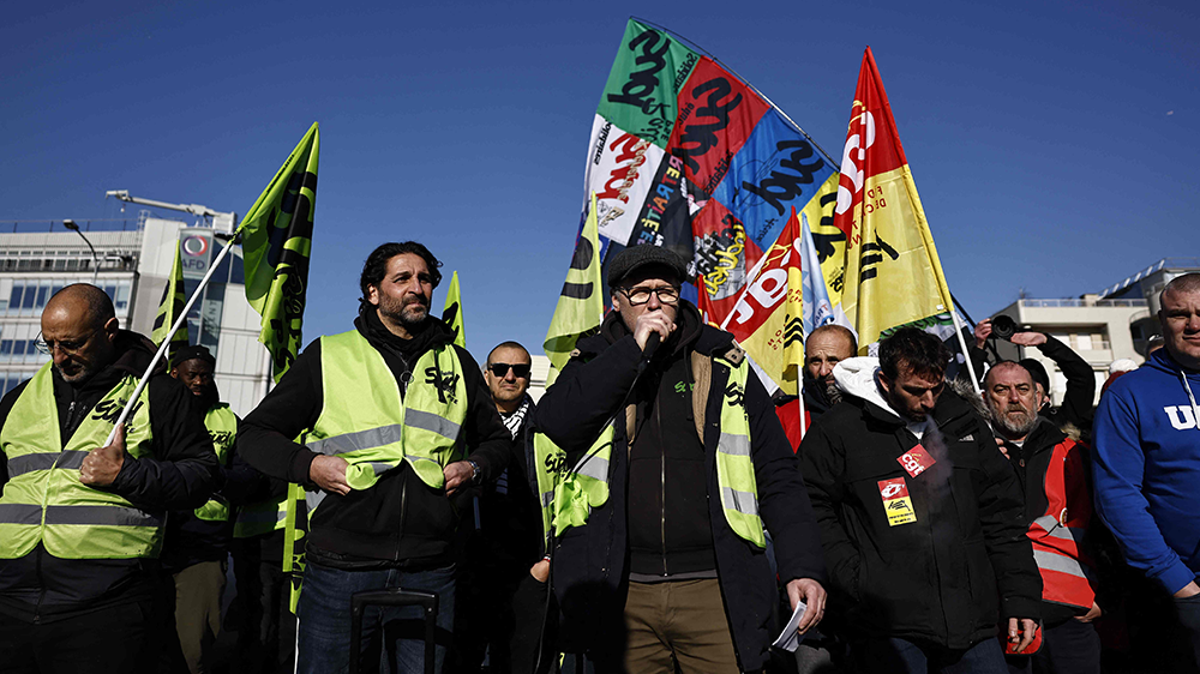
1044, 436
432, 334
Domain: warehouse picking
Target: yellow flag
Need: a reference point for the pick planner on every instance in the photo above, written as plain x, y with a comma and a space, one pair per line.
173, 300
452, 314
893, 276
580, 305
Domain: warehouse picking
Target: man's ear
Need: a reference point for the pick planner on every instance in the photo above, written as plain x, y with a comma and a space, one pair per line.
111, 326
372, 295
884, 382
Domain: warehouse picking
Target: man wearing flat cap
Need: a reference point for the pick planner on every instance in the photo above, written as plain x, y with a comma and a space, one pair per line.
674, 444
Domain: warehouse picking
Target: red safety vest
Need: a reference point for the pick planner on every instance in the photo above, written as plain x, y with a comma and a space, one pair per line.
1067, 572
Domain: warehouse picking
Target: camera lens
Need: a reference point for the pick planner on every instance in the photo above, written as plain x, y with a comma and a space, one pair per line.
1003, 327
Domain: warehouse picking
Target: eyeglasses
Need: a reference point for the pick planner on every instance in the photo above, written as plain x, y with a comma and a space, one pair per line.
639, 296
47, 346
520, 370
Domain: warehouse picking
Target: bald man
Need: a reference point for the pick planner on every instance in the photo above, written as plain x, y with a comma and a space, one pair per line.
82, 522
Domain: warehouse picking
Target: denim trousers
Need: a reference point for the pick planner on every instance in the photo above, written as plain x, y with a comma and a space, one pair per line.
396, 634
901, 656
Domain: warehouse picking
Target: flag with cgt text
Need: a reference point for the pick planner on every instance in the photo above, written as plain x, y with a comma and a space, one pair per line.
276, 241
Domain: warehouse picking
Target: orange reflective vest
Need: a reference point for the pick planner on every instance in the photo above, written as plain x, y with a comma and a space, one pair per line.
1067, 572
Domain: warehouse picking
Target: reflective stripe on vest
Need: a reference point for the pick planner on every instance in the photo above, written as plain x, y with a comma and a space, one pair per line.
221, 423
45, 502
1067, 575
365, 421
735, 465
260, 518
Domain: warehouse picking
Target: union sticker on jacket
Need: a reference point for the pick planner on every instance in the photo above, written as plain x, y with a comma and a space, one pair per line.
896, 502
916, 460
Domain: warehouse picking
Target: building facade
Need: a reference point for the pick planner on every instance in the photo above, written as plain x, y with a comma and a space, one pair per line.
131, 261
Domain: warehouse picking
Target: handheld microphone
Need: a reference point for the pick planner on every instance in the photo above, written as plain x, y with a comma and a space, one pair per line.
652, 343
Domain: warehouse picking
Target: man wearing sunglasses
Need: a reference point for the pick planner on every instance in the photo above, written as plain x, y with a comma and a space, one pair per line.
396, 421
505, 615
665, 565
81, 522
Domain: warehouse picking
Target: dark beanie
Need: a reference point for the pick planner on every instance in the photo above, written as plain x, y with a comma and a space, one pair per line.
186, 353
631, 259
1038, 372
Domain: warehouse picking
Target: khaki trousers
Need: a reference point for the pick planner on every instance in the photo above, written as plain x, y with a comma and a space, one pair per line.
198, 591
678, 622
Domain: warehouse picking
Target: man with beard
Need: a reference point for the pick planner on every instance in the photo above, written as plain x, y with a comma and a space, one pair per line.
81, 524
197, 544
921, 517
827, 346
1053, 472
396, 419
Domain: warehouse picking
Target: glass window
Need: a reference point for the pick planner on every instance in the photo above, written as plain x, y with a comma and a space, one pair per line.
10, 382
18, 348
1083, 342
6, 348
14, 300
111, 291
29, 298
42, 296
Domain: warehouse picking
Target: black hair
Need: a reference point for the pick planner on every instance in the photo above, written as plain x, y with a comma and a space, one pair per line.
375, 267
508, 345
916, 350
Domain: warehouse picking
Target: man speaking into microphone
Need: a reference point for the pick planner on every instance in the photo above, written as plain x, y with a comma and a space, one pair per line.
670, 570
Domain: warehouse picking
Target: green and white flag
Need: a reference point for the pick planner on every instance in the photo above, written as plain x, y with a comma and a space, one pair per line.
276, 241
171, 307
580, 304
452, 314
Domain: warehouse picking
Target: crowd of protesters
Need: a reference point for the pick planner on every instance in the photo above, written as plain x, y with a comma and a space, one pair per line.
655, 511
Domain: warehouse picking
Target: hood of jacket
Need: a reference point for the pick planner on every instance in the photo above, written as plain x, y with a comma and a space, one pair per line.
856, 377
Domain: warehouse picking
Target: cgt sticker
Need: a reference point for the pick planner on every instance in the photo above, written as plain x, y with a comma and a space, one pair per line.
896, 502
916, 460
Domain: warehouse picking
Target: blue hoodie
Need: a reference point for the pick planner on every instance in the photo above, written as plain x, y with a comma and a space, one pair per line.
1146, 465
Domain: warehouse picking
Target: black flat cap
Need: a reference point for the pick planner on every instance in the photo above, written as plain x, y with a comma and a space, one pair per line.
631, 259
186, 353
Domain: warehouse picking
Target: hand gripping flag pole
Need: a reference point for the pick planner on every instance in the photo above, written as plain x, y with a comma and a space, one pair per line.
166, 343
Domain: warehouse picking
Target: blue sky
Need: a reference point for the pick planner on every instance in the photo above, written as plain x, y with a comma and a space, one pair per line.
1054, 144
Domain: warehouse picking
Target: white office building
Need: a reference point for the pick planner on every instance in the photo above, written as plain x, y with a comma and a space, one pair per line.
131, 261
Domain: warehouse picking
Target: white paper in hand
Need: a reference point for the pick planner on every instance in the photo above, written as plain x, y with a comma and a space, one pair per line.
790, 639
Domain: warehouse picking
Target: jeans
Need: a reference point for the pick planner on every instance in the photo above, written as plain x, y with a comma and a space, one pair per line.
900, 656
397, 632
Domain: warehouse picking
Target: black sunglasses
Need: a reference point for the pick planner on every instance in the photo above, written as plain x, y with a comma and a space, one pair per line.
521, 370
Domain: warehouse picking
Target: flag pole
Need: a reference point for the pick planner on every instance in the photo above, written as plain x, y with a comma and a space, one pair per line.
801, 401
958, 331
167, 340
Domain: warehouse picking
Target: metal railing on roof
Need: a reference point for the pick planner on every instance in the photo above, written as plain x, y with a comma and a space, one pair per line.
97, 225
1165, 263
1139, 302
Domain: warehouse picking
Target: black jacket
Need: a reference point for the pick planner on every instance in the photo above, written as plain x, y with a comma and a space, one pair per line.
590, 563
182, 474
401, 520
946, 578
510, 512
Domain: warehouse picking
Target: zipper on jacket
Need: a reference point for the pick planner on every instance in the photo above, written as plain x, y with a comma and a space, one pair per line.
663, 476
403, 510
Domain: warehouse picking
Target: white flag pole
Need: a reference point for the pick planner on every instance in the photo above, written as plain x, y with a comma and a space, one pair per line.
958, 331
162, 349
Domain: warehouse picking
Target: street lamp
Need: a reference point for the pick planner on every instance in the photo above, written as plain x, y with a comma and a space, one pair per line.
70, 224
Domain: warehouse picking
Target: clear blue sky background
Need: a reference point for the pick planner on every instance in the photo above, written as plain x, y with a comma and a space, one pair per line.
1054, 144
